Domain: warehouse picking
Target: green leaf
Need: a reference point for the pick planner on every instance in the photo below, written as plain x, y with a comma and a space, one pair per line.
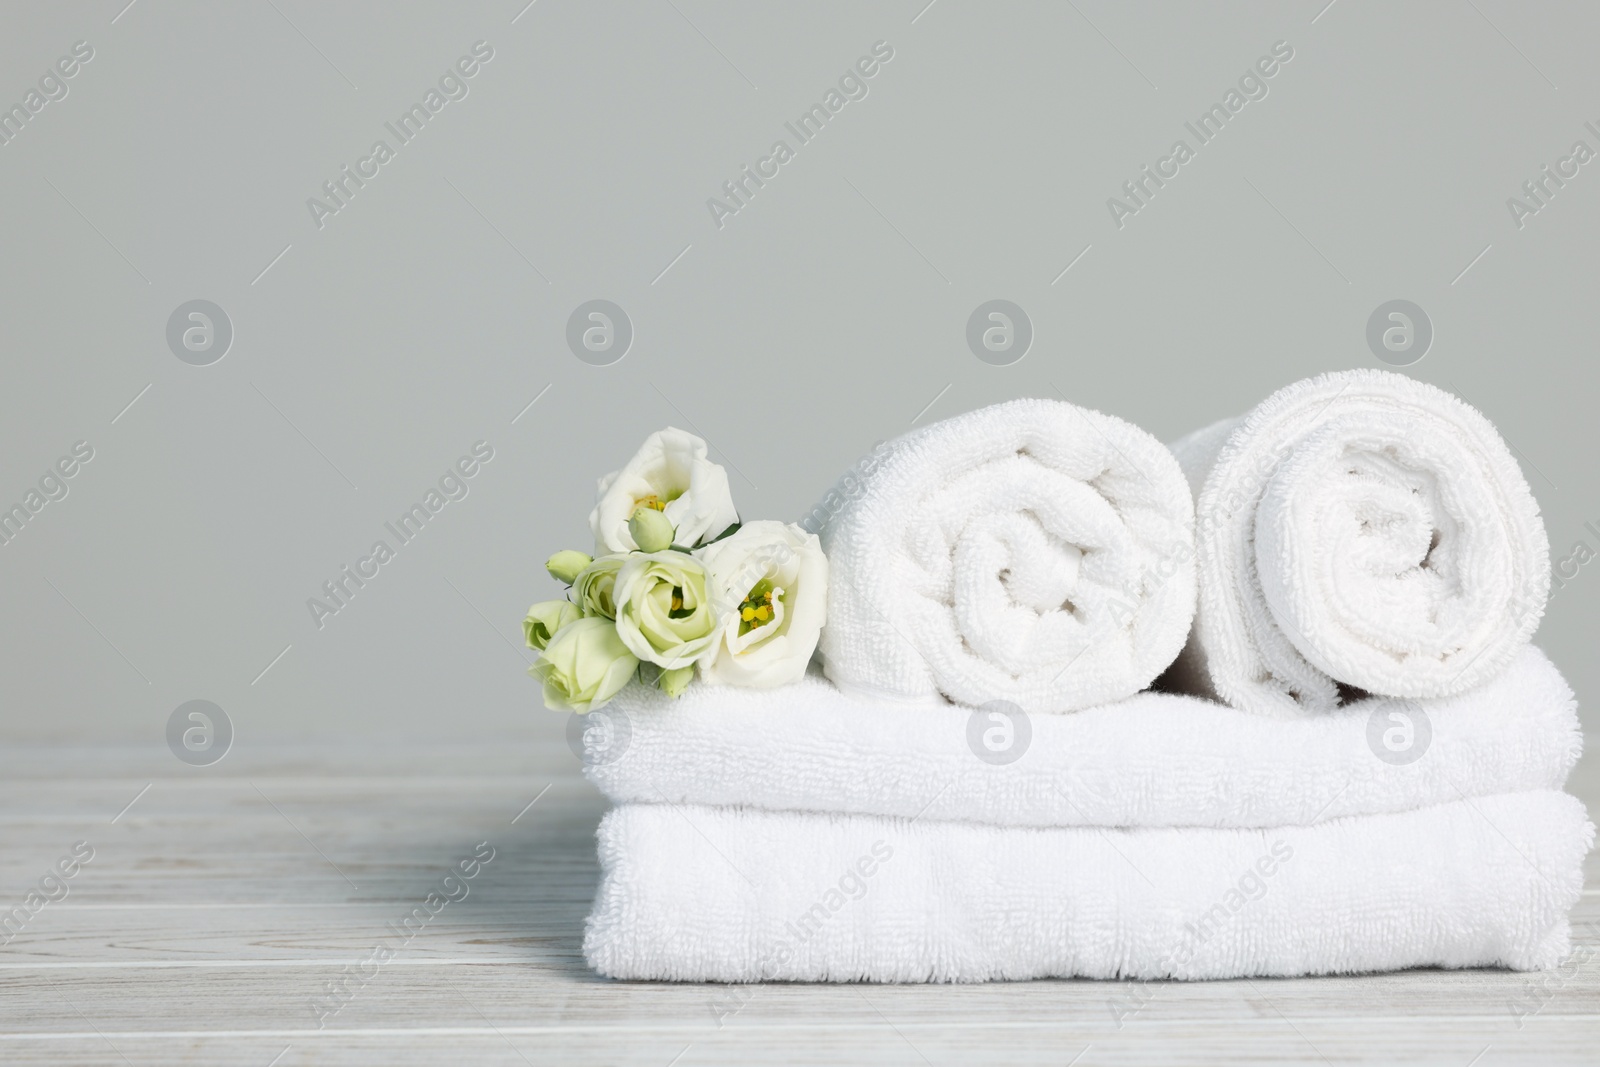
729, 532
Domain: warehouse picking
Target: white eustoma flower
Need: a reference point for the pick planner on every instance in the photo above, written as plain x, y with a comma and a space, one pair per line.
664, 615
769, 584
584, 666
670, 473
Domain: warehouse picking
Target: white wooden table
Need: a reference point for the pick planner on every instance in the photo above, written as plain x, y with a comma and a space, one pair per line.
223, 901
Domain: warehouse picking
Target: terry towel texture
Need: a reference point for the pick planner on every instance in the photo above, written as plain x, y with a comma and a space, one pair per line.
717, 894
1358, 533
1032, 551
1359, 527
1152, 760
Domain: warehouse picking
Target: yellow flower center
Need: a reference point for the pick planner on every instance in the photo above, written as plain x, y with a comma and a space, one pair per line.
652, 502
756, 609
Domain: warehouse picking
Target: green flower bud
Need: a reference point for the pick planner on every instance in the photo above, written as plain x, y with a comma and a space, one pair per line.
564, 566
651, 530
675, 681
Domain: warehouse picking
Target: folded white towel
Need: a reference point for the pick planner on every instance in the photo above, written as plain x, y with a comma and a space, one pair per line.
1154, 759
1364, 528
717, 894
1033, 552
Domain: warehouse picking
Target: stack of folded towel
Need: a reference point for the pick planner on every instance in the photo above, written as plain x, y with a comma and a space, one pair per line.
1363, 771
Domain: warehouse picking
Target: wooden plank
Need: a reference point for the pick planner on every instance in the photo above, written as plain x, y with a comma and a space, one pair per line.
556, 991
890, 1041
279, 1000
99, 802
212, 916
310, 841
488, 925
530, 753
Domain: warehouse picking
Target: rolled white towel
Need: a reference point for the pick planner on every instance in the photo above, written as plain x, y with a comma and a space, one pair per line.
1033, 552
1360, 528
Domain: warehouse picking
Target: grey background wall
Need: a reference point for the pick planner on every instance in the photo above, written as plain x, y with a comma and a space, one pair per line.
371, 351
